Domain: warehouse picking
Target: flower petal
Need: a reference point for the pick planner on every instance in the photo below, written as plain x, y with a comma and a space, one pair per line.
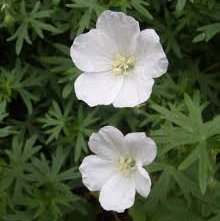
142, 148
118, 193
150, 54
95, 172
98, 88
93, 51
135, 90
108, 143
142, 182
122, 29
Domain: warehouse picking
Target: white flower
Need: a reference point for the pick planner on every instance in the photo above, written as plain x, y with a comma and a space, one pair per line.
118, 60
117, 168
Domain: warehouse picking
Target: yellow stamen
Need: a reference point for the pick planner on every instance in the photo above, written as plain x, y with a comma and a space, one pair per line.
122, 64
126, 165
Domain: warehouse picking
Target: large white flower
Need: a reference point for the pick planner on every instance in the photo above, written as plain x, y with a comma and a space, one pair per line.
117, 168
118, 60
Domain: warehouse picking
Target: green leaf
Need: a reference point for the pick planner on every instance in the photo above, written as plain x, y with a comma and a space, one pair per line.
19, 157
140, 6
191, 158
208, 32
31, 20
56, 121
180, 5
138, 212
204, 166
19, 81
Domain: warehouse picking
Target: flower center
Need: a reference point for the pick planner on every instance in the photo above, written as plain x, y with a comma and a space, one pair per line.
126, 165
121, 64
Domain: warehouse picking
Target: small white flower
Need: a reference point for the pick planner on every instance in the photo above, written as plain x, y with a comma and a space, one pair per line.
117, 168
118, 60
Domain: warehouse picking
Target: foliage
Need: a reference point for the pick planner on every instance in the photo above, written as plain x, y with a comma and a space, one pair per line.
44, 129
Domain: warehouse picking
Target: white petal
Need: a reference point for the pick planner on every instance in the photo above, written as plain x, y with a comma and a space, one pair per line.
136, 89
108, 143
142, 148
142, 182
98, 88
93, 51
150, 53
95, 172
118, 193
122, 29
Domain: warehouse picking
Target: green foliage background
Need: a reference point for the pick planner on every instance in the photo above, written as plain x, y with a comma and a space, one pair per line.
44, 129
